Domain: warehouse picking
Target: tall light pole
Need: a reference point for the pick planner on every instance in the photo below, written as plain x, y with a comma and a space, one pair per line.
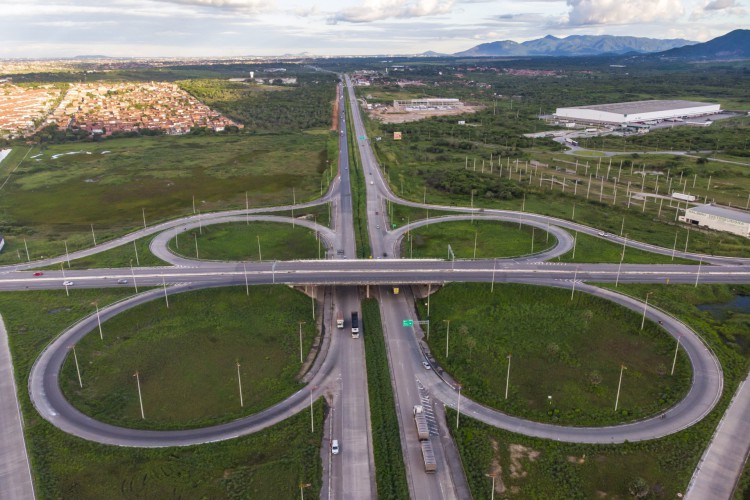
67, 256
132, 273
447, 336
619, 385
300, 340
698, 275
135, 247
458, 406
619, 266
99, 321
92, 234
260, 255
645, 306
164, 284
492, 495
575, 278
247, 286
143, 211
507, 378
140, 397
78, 371
312, 425
674, 361
239, 382
492, 288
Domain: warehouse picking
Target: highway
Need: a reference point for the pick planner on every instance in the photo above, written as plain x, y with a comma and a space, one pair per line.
341, 375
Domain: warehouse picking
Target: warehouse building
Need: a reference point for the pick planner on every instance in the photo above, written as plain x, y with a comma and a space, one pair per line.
719, 218
427, 103
638, 111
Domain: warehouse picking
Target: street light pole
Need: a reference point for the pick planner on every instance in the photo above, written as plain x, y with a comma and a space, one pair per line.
674, 361
164, 284
699, 272
619, 385
78, 371
133, 274
247, 286
492, 288
300, 340
239, 381
507, 378
140, 398
458, 406
447, 336
645, 306
99, 321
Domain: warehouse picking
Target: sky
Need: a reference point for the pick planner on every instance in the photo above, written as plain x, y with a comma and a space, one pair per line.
226, 28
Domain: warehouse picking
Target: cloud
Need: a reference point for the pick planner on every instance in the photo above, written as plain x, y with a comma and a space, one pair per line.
252, 6
594, 12
718, 8
721, 4
376, 10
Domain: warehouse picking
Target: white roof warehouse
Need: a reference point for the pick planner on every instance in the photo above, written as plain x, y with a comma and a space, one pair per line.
638, 111
719, 218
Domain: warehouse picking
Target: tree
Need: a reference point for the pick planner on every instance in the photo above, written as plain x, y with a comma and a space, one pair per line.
638, 487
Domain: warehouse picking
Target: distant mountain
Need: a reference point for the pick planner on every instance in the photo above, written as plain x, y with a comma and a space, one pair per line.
91, 56
432, 53
574, 45
733, 45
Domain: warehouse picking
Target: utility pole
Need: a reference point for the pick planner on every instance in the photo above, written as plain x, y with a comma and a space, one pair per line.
674, 361
239, 381
140, 397
447, 336
619, 385
300, 341
78, 371
507, 378
645, 306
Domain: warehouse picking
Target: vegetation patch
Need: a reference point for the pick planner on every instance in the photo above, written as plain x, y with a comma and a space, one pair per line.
389, 463
492, 238
48, 201
579, 344
251, 241
187, 355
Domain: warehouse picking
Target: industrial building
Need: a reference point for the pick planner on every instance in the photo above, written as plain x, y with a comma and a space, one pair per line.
719, 218
428, 103
638, 111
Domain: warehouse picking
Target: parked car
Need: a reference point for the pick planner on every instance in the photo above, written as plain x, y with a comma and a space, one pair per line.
67, 283
335, 447
426, 365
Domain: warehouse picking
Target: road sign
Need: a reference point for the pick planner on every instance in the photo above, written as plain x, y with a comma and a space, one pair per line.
362, 137
408, 322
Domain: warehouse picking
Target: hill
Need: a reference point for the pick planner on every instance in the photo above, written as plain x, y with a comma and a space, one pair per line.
733, 45
574, 45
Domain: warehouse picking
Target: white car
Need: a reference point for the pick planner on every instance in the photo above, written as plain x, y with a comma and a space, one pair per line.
122, 282
67, 283
426, 365
335, 447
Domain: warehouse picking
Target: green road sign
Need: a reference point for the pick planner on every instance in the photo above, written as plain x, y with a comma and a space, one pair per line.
408, 322
362, 137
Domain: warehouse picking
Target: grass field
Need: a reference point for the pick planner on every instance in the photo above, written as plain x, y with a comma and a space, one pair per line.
240, 241
186, 357
273, 462
578, 344
528, 468
596, 250
563, 470
50, 199
137, 253
493, 239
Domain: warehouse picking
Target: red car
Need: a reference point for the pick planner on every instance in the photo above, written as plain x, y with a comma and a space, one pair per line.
38, 273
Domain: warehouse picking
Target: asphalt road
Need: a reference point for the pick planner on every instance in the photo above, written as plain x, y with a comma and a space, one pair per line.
15, 472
